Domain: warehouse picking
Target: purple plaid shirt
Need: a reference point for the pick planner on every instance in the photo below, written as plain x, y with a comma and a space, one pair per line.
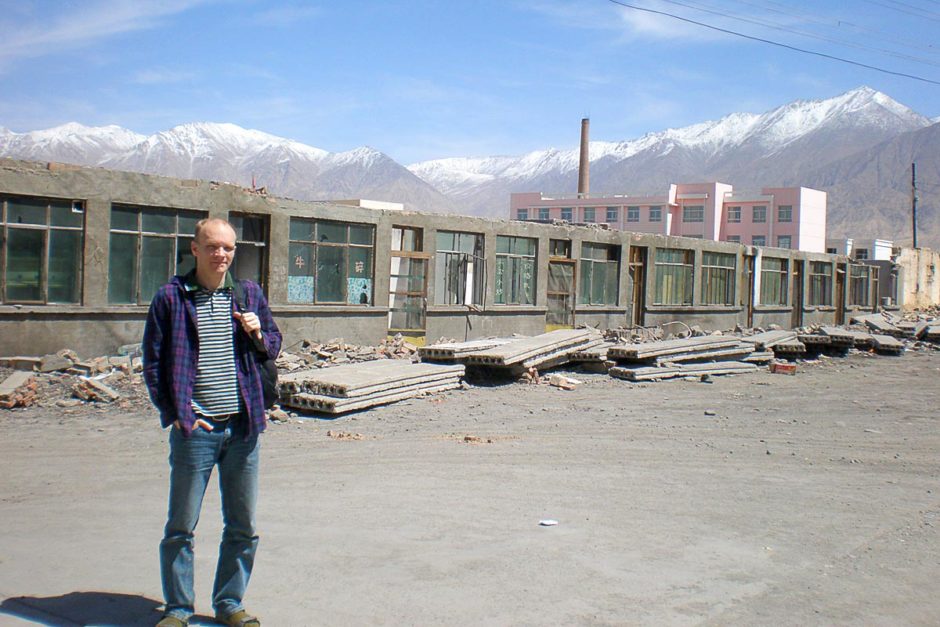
171, 352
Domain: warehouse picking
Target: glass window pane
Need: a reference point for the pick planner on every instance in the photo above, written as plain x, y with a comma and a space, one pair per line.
332, 232
301, 230
184, 255
124, 218
65, 266
359, 283
158, 221
467, 243
584, 282
157, 264
248, 228
61, 214
359, 234
24, 264
26, 211
122, 269
445, 240
502, 244
528, 281
300, 273
331, 274
186, 224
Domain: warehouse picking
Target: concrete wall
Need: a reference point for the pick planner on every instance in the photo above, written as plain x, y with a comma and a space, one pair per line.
96, 327
919, 279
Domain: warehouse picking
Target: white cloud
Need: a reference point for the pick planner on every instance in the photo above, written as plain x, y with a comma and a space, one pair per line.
162, 76
286, 15
48, 34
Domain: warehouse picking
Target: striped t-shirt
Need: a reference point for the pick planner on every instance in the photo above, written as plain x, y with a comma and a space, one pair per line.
215, 392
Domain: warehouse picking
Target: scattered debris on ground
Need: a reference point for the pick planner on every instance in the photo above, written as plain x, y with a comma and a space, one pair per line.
336, 377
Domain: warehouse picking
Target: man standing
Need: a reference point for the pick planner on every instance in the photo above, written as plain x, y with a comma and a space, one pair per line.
201, 366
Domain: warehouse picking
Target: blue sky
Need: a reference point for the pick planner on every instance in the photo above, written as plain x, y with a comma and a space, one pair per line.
430, 79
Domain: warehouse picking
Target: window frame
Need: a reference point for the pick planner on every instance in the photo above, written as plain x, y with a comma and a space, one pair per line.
774, 282
734, 214
759, 214
784, 213
518, 263
603, 258
859, 285
182, 237
46, 259
820, 284
682, 269
450, 291
613, 215
656, 213
719, 281
365, 285
693, 214
633, 214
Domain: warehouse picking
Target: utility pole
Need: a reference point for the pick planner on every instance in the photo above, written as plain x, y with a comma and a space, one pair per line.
914, 201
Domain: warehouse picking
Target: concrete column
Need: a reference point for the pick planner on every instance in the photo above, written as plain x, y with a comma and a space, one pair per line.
97, 240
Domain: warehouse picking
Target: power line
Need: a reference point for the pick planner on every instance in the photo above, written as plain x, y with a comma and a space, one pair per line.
776, 43
776, 26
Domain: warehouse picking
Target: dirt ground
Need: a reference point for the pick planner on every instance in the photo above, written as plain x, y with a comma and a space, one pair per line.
758, 499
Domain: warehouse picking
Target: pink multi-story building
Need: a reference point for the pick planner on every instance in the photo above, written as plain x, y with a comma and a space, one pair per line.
782, 217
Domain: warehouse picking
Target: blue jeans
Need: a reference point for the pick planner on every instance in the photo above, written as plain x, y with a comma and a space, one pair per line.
191, 463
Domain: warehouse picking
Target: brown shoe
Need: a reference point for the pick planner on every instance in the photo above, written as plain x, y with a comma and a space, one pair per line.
172, 621
241, 618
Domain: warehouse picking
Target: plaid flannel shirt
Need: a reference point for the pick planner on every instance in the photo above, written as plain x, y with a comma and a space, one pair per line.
171, 353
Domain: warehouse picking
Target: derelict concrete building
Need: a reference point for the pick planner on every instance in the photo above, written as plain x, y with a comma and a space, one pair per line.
83, 250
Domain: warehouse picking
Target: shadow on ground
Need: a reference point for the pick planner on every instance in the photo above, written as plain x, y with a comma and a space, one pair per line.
89, 608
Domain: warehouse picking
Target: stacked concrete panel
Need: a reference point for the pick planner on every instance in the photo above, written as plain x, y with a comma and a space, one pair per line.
541, 351
697, 356
360, 385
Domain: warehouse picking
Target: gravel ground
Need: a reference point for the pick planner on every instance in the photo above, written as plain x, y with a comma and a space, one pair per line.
749, 500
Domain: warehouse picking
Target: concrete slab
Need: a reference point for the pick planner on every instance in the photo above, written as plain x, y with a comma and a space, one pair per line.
359, 379
886, 344
649, 350
519, 351
732, 353
337, 405
767, 339
455, 351
651, 373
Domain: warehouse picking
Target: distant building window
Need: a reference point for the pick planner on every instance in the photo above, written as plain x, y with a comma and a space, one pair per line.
673, 268
543, 214
600, 274
758, 240
694, 213
718, 277
515, 270
633, 214
820, 283
861, 254
773, 281
148, 246
251, 239
566, 213
589, 214
832, 251
612, 216
41, 257
330, 262
522, 214
785, 213
859, 281
759, 214
559, 248
656, 214
734, 214
734, 238
458, 269
783, 241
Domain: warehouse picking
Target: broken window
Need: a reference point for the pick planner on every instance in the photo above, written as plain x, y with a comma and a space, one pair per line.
330, 262
407, 282
673, 268
515, 270
718, 278
458, 269
774, 280
560, 291
600, 274
41, 255
859, 281
148, 246
251, 238
820, 283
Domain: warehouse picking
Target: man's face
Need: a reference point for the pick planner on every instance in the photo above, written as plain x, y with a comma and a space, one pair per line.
214, 249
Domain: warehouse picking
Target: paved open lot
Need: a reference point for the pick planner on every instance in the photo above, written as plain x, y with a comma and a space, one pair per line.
752, 500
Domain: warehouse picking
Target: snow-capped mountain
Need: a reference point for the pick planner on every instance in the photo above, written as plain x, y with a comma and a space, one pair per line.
840, 145
226, 152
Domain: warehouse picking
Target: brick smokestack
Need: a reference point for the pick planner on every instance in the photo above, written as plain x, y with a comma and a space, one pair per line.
584, 166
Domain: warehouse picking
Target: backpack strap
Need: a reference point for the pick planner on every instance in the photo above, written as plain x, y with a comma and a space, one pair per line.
241, 304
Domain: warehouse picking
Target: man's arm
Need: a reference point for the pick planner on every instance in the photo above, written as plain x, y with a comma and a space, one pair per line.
155, 330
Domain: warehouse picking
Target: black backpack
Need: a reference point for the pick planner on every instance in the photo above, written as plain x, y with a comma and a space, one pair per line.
266, 364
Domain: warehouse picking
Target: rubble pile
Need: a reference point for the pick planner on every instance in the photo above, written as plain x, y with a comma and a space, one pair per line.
309, 354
